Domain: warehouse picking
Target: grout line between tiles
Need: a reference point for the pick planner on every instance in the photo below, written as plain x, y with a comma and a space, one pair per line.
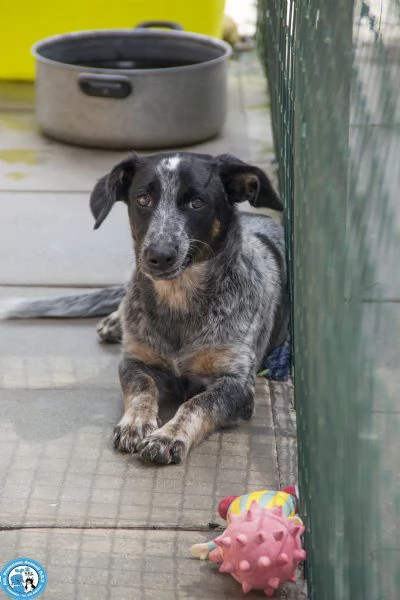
200, 528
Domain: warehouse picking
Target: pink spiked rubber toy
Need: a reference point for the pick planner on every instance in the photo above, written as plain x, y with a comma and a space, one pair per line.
260, 548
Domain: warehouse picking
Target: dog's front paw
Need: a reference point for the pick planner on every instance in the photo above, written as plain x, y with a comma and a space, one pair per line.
162, 449
128, 436
109, 328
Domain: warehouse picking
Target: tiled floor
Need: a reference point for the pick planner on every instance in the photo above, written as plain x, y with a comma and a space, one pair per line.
103, 524
58, 466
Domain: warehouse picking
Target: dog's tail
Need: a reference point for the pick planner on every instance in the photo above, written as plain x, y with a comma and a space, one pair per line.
92, 304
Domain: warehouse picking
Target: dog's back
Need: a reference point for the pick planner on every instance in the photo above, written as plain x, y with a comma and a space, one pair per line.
263, 246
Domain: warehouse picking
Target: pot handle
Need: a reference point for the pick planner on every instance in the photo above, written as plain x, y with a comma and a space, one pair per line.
105, 86
164, 24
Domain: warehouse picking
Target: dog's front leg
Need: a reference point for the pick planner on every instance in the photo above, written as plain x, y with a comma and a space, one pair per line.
141, 405
227, 401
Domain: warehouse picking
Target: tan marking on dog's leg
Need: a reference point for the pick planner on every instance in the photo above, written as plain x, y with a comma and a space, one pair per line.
172, 442
191, 423
140, 418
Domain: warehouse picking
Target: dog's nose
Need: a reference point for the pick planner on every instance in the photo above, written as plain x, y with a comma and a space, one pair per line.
161, 258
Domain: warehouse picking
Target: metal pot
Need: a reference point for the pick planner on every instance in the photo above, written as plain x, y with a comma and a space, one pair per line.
141, 88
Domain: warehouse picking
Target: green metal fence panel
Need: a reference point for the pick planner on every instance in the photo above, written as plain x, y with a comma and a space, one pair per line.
334, 78
275, 39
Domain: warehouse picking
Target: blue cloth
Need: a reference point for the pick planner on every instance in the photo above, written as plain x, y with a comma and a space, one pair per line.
276, 365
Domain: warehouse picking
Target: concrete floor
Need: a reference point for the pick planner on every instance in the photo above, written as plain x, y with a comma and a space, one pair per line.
102, 524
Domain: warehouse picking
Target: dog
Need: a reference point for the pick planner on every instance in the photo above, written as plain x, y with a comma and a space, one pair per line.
206, 303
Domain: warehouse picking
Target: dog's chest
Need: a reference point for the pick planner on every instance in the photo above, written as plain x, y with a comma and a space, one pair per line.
205, 358
192, 327
205, 342
172, 332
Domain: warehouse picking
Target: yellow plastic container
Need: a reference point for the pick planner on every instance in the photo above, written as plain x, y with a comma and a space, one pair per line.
25, 22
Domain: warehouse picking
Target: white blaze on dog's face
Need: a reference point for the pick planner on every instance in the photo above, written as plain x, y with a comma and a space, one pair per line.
165, 234
169, 164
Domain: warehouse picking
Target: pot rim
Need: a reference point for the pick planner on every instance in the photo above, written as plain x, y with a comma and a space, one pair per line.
104, 33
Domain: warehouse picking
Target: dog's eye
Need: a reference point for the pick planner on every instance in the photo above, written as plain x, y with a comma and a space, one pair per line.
145, 201
196, 203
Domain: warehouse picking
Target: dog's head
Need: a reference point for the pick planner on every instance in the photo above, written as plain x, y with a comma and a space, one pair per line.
180, 205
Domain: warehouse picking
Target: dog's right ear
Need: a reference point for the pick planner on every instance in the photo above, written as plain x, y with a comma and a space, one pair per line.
111, 188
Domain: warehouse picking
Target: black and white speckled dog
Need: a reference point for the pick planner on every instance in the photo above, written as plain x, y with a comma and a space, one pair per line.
206, 302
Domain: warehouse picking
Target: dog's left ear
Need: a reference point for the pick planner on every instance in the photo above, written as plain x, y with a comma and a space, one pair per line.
245, 182
111, 188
